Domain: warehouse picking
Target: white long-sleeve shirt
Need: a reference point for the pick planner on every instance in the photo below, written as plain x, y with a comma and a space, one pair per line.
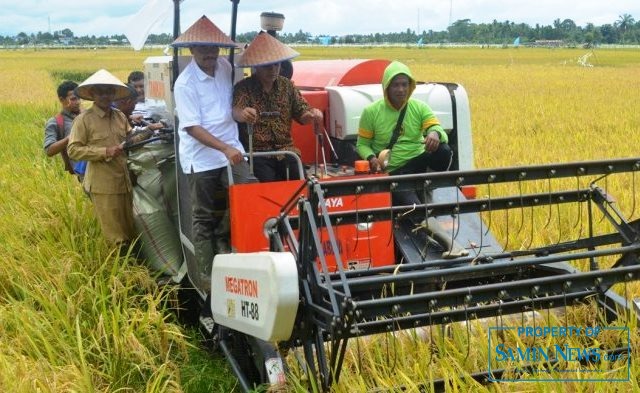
203, 100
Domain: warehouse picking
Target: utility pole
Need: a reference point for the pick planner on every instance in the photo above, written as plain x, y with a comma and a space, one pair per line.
176, 33
450, 11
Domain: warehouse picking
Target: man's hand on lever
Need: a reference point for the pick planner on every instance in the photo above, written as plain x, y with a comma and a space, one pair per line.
248, 115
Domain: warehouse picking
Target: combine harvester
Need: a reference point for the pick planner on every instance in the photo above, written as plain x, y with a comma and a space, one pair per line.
323, 260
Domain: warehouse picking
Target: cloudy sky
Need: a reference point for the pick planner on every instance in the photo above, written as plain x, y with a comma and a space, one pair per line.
335, 17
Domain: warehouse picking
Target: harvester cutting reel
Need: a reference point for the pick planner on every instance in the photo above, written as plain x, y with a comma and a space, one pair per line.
592, 247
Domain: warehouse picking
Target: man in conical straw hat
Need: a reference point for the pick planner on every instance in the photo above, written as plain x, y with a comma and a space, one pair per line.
208, 138
97, 136
269, 102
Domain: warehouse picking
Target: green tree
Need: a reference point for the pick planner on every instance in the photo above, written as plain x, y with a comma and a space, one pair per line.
592, 34
625, 22
609, 34
67, 33
22, 38
459, 31
44, 38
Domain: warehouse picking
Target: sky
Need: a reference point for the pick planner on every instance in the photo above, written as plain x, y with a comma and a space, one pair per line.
318, 17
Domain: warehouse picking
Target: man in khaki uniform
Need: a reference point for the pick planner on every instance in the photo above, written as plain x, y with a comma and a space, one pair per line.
97, 136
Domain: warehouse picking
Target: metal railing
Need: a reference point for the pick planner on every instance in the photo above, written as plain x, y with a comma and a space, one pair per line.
342, 304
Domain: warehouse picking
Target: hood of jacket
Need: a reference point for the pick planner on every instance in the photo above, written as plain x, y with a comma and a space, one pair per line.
393, 69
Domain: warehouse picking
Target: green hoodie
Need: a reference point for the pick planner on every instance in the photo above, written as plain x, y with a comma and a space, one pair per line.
379, 119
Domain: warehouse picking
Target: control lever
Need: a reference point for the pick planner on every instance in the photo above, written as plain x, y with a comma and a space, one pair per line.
320, 145
250, 134
335, 155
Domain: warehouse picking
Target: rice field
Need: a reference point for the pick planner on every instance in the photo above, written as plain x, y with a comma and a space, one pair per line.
76, 318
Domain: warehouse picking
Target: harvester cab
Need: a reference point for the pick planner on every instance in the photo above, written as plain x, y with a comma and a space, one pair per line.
319, 261
340, 89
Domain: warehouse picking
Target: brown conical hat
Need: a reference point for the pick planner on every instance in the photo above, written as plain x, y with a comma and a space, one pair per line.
265, 50
203, 33
105, 78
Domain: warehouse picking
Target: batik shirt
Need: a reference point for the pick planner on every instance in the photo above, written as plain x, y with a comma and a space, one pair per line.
271, 133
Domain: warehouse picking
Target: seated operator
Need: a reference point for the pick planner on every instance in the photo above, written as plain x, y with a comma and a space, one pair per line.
401, 135
267, 102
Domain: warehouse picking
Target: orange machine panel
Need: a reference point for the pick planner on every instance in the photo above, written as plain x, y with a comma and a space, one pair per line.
323, 73
251, 205
304, 136
360, 245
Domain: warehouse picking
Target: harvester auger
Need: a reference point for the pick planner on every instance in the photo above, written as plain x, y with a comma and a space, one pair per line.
420, 288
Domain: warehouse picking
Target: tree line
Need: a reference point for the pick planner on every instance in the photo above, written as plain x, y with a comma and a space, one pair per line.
624, 30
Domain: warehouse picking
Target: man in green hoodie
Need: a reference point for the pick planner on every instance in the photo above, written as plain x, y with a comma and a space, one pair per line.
400, 135
421, 142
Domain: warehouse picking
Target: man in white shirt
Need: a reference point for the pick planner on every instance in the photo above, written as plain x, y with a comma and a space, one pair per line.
208, 134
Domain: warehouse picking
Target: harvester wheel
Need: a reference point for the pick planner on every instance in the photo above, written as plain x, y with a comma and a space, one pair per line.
244, 356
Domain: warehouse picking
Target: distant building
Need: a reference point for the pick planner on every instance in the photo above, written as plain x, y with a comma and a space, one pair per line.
547, 43
324, 40
118, 41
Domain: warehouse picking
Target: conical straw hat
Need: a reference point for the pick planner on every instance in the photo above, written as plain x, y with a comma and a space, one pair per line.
102, 77
203, 33
265, 50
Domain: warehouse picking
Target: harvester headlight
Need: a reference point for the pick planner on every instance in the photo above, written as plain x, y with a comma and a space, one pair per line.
364, 226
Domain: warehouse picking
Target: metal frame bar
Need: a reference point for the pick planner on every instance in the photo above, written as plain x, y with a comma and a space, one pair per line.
337, 306
266, 154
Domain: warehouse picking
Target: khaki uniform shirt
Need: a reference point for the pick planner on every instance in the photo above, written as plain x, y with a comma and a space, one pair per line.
92, 132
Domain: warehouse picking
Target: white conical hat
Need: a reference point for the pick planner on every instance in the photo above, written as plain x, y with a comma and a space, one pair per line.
265, 50
204, 33
102, 77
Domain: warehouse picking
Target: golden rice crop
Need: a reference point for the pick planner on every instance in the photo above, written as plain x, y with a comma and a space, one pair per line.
80, 319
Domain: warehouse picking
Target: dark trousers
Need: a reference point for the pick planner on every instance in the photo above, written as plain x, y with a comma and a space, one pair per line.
269, 169
438, 161
203, 186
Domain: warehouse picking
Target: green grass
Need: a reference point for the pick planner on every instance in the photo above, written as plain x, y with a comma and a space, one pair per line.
77, 317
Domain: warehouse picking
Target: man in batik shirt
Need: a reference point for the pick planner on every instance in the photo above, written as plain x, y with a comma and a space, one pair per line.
268, 102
